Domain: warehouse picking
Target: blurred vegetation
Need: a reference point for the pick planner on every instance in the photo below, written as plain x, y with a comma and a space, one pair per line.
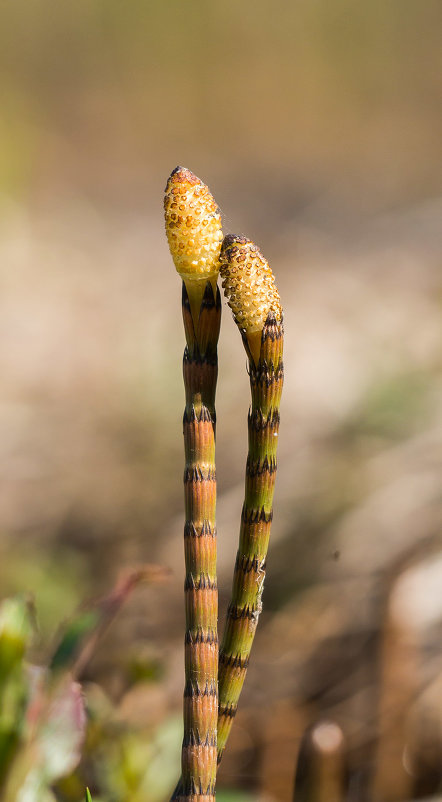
42, 722
43, 716
44, 730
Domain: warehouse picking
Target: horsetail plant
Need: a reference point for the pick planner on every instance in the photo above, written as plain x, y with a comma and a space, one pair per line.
193, 228
249, 287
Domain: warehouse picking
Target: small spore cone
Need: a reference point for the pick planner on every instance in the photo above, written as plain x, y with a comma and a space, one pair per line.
249, 287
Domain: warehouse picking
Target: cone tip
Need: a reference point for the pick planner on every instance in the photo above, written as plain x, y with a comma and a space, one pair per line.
182, 175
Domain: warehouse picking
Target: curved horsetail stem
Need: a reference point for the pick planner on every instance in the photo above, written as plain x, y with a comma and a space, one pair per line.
251, 293
193, 227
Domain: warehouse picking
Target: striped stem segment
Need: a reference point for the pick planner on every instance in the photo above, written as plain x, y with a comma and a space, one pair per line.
201, 639
193, 228
266, 379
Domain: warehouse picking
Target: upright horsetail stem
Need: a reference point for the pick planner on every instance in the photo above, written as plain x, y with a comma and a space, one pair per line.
193, 228
251, 293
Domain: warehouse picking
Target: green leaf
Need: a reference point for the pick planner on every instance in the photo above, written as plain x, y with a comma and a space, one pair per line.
73, 639
15, 632
88, 797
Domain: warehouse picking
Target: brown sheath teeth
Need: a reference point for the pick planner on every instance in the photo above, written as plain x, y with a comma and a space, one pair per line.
234, 661
203, 583
253, 516
193, 738
248, 564
266, 373
257, 468
196, 358
201, 636
209, 300
196, 474
247, 611
228, 710
192, 690
206, 530
258, 422
191, 788
272, 330
202, 416
185, 303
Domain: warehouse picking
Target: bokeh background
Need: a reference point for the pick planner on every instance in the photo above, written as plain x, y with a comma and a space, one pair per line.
317, 126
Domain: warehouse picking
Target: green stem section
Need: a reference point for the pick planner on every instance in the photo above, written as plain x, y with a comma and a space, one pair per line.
266, 379
199, 751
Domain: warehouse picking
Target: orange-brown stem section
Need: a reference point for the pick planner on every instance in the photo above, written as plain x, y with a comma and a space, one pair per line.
199, 751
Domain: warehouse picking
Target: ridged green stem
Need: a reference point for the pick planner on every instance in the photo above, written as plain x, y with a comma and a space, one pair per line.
266, 379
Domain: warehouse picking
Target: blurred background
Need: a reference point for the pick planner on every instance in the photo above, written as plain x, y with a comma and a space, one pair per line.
317, 126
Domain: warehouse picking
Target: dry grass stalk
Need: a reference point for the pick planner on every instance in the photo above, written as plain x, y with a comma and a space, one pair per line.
320, 774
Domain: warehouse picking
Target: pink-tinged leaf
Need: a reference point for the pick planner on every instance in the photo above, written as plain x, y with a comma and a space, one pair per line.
37, 695
56, 724
60, 737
